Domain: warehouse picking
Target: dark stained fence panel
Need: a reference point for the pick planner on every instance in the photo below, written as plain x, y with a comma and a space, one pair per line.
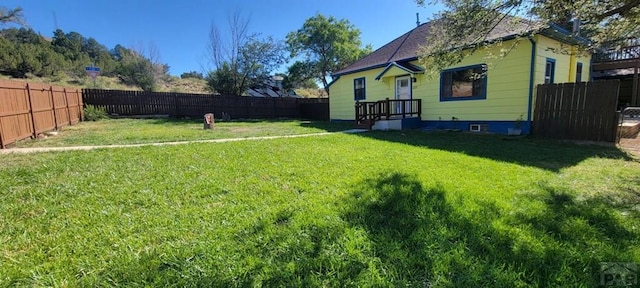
577, 111
133, 103
314, 111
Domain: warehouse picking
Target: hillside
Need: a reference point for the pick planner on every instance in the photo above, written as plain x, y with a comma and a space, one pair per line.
171, 84
61, 60
25, 54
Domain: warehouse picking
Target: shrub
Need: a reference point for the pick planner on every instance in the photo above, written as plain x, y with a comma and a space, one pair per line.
93, 113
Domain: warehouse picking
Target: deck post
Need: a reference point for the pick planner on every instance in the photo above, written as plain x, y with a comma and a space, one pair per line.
634, 94
387, 108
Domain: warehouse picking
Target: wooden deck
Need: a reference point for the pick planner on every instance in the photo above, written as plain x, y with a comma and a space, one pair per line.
621, 56
367, 113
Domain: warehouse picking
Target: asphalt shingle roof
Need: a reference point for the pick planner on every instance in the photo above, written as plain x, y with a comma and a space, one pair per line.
406, 47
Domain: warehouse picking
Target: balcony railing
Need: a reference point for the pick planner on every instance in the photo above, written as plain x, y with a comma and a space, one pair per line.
628, 50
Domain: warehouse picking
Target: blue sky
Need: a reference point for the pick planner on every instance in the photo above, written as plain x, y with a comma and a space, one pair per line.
179, 29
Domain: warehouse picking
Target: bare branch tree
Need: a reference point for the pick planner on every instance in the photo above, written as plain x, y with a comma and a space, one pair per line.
11, 16
151, 53
241, 59
219, 50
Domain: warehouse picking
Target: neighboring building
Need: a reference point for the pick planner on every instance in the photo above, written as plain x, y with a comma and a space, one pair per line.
272, 88
499, 99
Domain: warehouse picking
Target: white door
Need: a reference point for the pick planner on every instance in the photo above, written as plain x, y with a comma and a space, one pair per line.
403, 91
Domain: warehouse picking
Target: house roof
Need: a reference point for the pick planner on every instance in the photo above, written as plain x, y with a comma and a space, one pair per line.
405, 48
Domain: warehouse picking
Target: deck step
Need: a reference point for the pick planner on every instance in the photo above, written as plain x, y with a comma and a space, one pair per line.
365, 124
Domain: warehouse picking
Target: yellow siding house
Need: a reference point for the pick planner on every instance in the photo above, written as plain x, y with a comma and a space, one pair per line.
501, 98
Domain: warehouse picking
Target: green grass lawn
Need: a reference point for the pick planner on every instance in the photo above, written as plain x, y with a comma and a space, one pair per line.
375, 209
137, 131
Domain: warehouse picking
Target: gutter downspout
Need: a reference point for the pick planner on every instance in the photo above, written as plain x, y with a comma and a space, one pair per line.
531, 80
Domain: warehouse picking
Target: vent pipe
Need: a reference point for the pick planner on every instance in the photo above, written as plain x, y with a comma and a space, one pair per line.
576, 27
417, 19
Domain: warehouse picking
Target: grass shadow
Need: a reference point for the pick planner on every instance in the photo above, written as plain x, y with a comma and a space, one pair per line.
542, 153
172, 121
392, 230
424, 240
328, 126
197, 120
322, 125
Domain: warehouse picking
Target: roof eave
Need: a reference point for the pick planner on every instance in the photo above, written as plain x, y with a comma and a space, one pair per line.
395, 64
556, 32
340, 73
333, 80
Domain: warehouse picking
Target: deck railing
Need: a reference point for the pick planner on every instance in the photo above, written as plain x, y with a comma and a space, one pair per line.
369, 112
629, 49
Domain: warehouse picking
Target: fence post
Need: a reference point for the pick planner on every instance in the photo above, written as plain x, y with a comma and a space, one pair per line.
66, 101
1, 138
139, 96
275, 109
53, 103
246, 106
176, 109
80, 105
33, 119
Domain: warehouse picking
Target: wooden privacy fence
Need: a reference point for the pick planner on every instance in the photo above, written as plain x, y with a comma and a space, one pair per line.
577, 111
129, 103
29, 109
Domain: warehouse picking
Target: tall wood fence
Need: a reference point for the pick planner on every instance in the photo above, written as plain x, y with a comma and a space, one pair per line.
128, 103
577, 111
29, 109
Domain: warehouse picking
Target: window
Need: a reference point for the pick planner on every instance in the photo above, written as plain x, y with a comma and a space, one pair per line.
465, 83
579, 72
359, 89
549, 71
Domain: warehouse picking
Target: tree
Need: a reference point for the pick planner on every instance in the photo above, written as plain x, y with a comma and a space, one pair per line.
23, 53
22, 36
100, 56
299, 75
70, 45
140, 67
135, 69
223, 80
465, 23
192, 74
152, 54
11, 15
243, 61
328, 44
